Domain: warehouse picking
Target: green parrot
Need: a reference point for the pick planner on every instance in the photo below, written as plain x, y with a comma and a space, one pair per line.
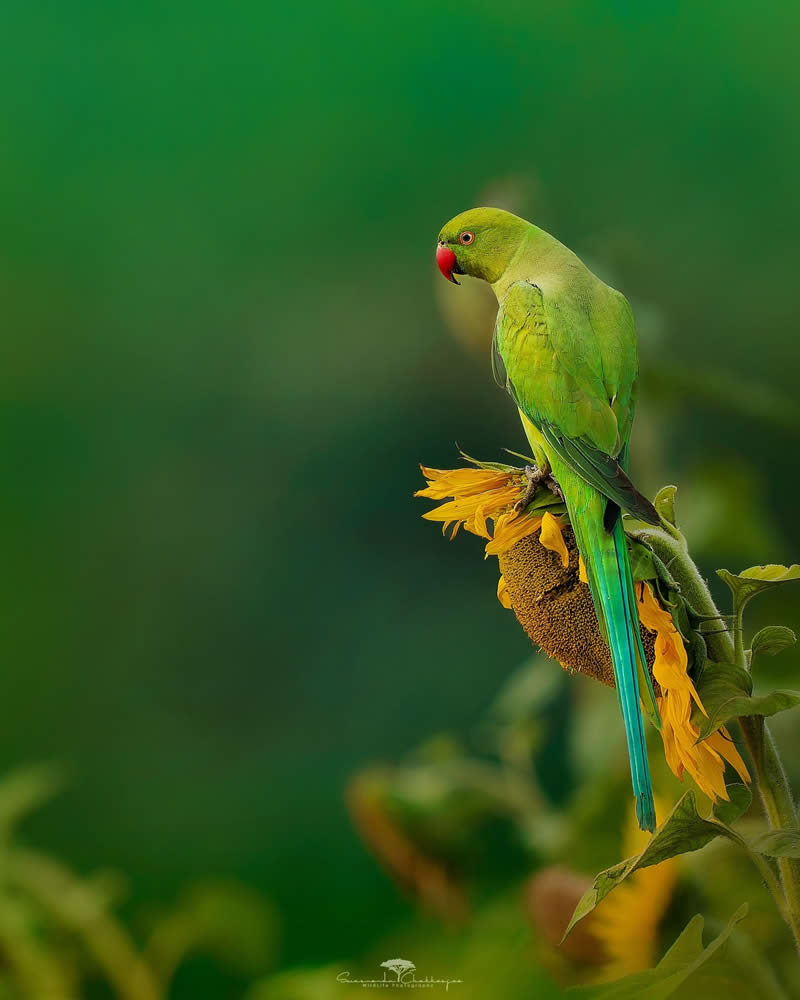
564, 347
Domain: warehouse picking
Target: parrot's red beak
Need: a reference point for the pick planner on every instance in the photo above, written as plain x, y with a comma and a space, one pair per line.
448, 264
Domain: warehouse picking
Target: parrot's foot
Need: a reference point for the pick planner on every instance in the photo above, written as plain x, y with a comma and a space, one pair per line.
555, 489
535, 476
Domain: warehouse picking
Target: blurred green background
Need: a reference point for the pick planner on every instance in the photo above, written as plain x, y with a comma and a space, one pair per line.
223, 358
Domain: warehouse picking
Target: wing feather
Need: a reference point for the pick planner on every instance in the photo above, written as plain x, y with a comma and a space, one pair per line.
549, 358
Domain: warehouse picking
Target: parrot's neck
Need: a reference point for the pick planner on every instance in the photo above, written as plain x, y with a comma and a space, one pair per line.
540, 258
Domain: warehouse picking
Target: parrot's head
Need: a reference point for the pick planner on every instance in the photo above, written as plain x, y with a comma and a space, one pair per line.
480, 242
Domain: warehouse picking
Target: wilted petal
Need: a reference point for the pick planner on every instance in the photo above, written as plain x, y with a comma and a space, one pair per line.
704, 761
510, 529
552, 538
503, 595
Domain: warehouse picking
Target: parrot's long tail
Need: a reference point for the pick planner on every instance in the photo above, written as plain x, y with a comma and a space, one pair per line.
608, 570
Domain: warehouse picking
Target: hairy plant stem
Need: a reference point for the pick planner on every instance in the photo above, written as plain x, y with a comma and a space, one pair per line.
779, 805
773, 787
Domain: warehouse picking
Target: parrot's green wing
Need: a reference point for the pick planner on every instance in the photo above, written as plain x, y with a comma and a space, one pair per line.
571, 385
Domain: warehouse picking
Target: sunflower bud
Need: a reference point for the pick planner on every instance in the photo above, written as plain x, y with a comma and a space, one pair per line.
429, 879
550, 900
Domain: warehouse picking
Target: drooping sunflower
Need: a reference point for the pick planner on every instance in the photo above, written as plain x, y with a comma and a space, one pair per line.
544, 582
428, 879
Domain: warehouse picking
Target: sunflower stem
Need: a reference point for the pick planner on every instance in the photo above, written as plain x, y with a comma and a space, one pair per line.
778, 801
772, 883
738, 635
773, 785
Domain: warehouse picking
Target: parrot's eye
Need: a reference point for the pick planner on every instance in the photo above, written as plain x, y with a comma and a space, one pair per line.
466, 238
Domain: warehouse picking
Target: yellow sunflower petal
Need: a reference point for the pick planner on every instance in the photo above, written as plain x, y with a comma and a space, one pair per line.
582, 570
503, 595
509, 529
473, 511
443, 483
705, 761
721, 742
552, 538
471, 497
672, 661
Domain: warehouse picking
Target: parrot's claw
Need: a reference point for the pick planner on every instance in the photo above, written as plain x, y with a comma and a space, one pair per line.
537, 477
534, 475
555, 489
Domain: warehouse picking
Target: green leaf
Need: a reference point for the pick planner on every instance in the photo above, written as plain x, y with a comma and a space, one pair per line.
664, 503
771, 573
527, 459
686, 956
740, 799
720, 682
698, 653
777, 844
772, 640
226, 920
683, 831
725, 701
752, 581
643, 566
543, 498
527, 693
724, 690
24, 790
490, 466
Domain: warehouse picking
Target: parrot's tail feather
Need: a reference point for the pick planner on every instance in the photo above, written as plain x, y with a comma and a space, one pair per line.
606, 558
645, 807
